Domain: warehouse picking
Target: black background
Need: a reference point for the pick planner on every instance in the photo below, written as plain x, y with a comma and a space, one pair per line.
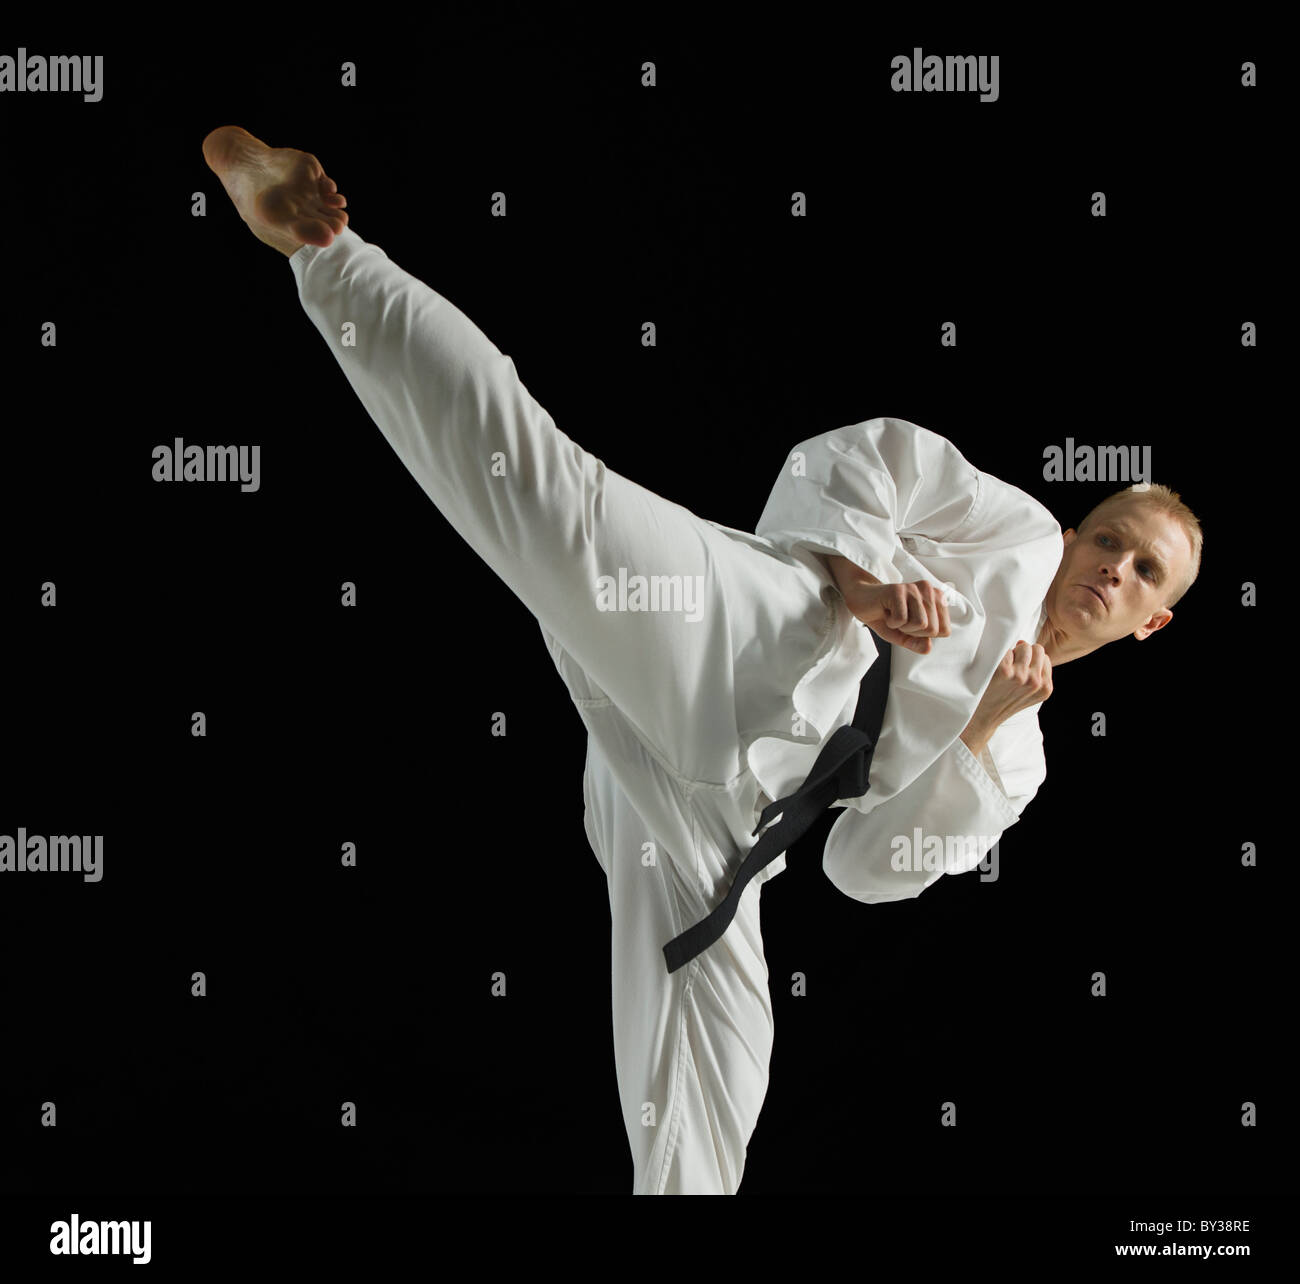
372, 725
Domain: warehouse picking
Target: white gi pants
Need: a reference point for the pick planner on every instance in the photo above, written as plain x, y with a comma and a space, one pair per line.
670, 703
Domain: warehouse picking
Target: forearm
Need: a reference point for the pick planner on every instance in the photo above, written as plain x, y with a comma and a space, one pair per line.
846, 574
977, 735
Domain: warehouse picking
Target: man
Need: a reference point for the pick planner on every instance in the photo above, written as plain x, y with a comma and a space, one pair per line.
708, 665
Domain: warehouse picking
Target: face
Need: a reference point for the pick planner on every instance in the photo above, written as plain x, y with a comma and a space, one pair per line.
1133, 557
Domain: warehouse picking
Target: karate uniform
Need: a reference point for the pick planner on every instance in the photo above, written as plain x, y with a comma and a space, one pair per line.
691, 722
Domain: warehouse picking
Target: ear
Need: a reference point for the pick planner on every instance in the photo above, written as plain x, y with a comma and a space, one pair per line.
1154, 624
1069, 536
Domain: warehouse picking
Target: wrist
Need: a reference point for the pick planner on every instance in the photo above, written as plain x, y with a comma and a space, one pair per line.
977, 735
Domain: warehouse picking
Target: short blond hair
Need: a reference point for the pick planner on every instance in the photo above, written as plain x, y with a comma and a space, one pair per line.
1166, 501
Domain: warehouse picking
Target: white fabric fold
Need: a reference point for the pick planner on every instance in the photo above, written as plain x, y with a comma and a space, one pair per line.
905, 505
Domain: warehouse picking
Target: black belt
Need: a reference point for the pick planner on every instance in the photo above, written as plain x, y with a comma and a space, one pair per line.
840, 771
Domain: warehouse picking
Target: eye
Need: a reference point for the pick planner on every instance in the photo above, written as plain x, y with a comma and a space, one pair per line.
1146, 567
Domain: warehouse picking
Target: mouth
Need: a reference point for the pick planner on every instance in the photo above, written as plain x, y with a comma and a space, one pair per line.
1095, 593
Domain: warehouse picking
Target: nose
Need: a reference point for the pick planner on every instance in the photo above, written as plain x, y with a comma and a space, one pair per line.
1112, 569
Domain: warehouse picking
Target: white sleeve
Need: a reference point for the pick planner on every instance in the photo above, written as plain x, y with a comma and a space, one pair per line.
856, 490
1014, 758
944, 822
880, 490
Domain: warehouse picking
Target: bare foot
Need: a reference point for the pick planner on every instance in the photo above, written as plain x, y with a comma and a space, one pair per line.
281, 193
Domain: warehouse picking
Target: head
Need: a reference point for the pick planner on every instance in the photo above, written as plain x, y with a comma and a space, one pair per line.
1140, 550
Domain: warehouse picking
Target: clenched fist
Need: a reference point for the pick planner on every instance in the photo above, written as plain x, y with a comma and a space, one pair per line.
1023, 678
903, 614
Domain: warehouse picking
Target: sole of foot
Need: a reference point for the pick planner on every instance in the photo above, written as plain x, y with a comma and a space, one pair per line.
283, 194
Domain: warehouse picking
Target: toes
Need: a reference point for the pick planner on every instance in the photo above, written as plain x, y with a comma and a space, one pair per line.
334, 220
332, 216
329, 192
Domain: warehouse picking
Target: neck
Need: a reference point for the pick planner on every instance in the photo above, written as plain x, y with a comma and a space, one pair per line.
1060, 648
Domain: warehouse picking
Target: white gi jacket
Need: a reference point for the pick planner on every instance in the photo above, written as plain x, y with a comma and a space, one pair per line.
903, 503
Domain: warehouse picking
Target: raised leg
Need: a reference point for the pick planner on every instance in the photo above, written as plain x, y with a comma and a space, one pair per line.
667, 613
